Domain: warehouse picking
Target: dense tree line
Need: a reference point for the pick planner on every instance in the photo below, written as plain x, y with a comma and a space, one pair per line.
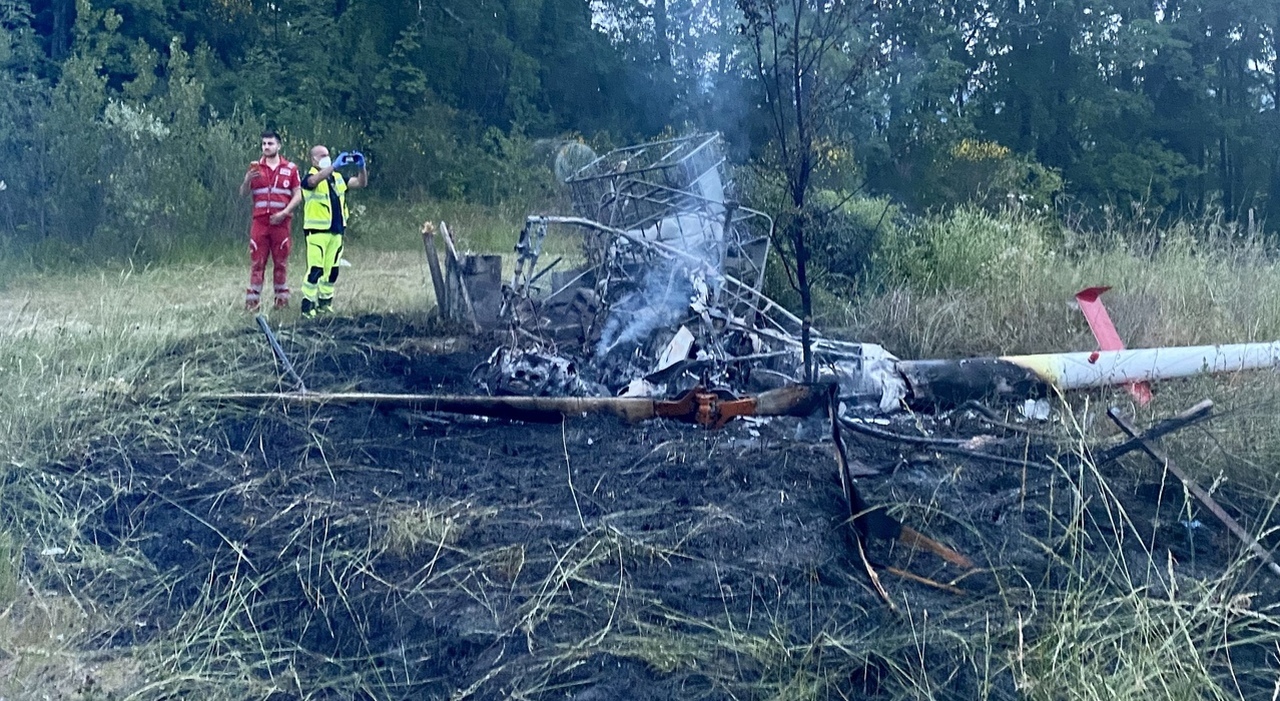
126, 123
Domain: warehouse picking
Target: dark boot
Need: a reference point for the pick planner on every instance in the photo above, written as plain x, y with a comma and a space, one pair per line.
308, 309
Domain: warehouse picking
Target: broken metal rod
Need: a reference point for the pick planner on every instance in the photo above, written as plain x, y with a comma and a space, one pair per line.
864, 520
895, 437
1194, 415
953, 446
543, 272
544, 409
707, 409
279, 352
1162, 458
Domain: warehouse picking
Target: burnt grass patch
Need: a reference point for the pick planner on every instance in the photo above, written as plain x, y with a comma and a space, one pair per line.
356, 552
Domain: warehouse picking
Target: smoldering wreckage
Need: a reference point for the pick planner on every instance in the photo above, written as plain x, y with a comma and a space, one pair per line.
652, 308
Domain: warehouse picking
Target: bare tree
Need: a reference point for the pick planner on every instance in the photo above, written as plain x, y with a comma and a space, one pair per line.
809, 57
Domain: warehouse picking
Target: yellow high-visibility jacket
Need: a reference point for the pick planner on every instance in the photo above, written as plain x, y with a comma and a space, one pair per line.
316, 212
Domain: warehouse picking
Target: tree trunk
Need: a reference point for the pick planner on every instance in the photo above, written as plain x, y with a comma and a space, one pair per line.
1271, 217
800, 241
806, 297
63, 19
1224, 178
661, 27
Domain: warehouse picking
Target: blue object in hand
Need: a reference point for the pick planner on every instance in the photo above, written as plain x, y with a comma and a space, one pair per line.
343, 159
357, 158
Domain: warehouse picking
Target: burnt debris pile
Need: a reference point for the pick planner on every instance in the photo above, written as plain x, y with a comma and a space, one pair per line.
656, 288
661, 290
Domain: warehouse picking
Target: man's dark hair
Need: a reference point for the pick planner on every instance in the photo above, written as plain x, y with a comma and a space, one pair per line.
271, 134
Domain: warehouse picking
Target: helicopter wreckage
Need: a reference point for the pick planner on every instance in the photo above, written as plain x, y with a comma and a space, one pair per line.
652, 305
649, 303
655, 290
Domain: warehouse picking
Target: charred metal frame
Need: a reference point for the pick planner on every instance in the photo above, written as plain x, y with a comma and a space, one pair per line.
643, 212
667, 294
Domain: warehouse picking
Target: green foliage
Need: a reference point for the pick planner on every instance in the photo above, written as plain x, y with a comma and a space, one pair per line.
970, 248
441, 153
975, 283
107, 173
986, 172
846, 234
123, 156
1148, 173
1106, 104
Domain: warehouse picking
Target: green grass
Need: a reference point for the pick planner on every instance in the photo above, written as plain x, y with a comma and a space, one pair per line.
75, 346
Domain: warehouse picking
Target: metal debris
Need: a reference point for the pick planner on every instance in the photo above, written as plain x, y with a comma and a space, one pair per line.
706, 407
654, 286
1148, 445
279, 352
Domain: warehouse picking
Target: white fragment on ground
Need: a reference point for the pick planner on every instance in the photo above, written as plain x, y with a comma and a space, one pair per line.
979, 442
1036, 409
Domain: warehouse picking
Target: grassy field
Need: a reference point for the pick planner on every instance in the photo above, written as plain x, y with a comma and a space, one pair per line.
76, 347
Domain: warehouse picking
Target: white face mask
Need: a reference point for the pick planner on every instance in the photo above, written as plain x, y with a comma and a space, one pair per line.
325, 162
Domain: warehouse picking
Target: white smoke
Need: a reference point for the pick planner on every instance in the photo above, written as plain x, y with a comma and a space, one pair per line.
662, 299
695, 233
667, 291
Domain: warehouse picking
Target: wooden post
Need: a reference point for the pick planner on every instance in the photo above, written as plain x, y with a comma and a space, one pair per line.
456, 268
433, 262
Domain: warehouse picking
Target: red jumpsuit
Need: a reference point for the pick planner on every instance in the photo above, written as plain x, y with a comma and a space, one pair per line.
272, 189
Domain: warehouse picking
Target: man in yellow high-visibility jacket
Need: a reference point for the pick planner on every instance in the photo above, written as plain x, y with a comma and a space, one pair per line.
325, 216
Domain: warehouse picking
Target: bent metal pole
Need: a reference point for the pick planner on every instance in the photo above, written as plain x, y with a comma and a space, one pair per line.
696, 406
1016, 376
279, 352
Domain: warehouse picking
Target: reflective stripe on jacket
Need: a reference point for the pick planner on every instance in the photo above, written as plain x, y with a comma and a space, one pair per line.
316, 214
272, 189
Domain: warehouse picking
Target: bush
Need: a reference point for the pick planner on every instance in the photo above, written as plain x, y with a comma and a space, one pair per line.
844, 233
967, 248
845, 236
991, 174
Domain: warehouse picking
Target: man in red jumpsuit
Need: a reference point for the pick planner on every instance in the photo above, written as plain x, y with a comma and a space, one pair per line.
276, 188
